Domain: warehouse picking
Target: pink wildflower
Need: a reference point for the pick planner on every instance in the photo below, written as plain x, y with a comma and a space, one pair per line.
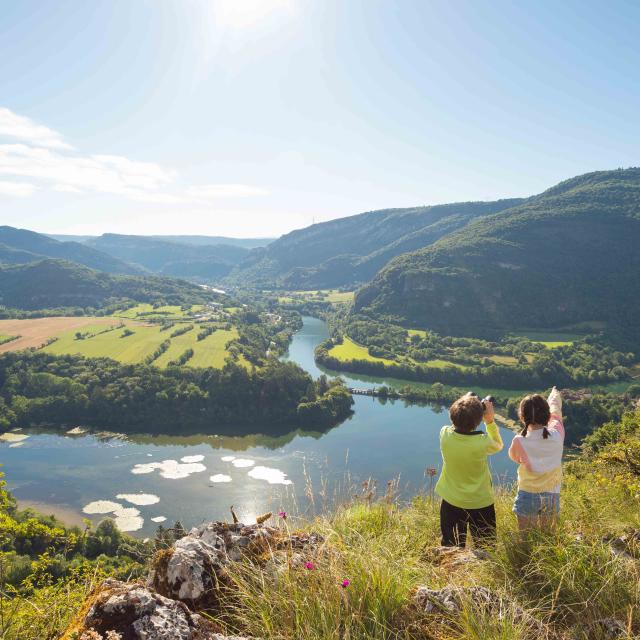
310, 566
345, 583
282, 514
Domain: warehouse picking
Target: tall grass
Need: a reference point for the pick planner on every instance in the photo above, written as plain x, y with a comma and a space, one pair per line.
553, 584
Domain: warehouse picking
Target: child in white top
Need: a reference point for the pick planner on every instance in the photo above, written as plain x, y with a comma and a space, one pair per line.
538, 450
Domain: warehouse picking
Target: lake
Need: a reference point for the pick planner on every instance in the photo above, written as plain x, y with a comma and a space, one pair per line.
144, 478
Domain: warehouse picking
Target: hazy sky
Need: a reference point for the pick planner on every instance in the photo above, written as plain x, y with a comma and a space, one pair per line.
255, 117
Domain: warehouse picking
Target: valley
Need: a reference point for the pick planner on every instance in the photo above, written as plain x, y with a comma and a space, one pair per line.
145, 388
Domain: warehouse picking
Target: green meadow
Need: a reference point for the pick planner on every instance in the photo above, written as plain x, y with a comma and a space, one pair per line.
550, 339
147, 310
350, 350
332, 296
145, 339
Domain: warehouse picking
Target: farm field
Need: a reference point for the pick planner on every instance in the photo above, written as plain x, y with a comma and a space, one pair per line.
350, 350
35, 332
332, 296
506, 360
210, 352
550, 339
145, 339
147, 310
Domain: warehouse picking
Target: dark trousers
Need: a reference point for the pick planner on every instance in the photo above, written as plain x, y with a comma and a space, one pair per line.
454, 521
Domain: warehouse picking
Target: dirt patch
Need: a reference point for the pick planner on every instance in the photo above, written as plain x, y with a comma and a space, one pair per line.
35, 332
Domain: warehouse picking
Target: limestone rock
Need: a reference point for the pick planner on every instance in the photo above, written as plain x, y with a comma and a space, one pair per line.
451, 600
132, 611
612, 628
627, 545
193, 570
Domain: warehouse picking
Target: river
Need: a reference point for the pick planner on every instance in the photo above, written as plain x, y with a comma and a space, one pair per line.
195, 478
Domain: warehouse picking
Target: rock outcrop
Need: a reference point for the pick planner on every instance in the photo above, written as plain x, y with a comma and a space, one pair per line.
188, 577
132, 611
193, 570
451, 600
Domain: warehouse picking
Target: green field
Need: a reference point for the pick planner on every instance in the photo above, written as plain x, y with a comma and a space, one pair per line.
210, 352
333, 296
146, 310
506, 360
5, 338
550, 339
350, 350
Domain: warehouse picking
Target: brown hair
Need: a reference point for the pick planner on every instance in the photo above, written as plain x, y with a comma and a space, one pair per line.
534, 410
466, 413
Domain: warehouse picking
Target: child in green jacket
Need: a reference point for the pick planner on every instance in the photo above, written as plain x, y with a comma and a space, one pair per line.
465, 482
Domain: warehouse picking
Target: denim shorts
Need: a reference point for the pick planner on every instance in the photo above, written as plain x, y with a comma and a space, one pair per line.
536, 504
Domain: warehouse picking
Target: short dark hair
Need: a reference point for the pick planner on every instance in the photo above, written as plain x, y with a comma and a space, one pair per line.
534, 409
466, 413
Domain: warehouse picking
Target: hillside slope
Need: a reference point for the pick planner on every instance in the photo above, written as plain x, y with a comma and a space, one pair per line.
566, 256
33, 247
171, 258
247, 243
351, 250
57, 283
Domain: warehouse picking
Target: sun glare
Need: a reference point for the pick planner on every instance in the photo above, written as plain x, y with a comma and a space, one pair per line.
243, 14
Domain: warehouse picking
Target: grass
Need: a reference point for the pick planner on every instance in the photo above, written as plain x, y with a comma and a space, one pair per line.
339, 297
441, 364
506, 360
550, 339
350, 350
210, 352
333, 296
555, 584
143, 310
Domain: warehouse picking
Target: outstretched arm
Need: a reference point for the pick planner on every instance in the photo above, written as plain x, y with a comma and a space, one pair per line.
555, 405
494, 441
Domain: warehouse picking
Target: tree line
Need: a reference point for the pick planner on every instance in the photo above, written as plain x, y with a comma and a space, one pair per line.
42, 389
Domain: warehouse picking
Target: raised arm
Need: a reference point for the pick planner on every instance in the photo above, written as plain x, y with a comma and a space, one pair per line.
555, 405
495, 443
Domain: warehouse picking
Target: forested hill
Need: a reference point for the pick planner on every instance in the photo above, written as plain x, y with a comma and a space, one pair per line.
351, 250
20, 246
569, 255
57, 283
171, 258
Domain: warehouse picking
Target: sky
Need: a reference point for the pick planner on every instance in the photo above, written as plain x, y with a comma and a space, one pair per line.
251, 118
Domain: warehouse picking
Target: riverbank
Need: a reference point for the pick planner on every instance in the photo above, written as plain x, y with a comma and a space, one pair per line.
69, 516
